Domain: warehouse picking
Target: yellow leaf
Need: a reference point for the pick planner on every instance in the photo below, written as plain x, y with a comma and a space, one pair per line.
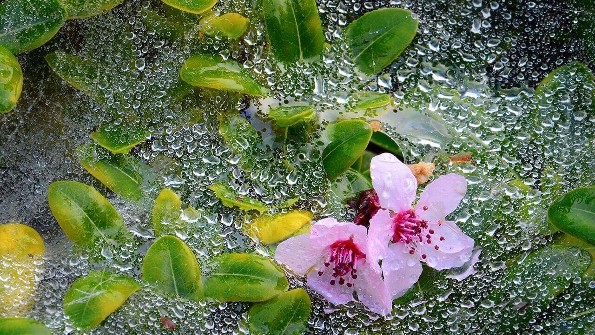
275, 228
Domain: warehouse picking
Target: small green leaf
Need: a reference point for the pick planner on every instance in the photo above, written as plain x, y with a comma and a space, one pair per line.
350, 184
386, 143
91, 299
242, 139
289, 115
230, 198
348, 140
286, 314
294, 29
171, 267
244, 277
121, 174
80, 9
275, 228
213, 72
79, 73
86, 217
11, 82
166, 210
120, 139
22, 326
379, 37
372, 103
191, 6
574, 214
230, 25
28, 24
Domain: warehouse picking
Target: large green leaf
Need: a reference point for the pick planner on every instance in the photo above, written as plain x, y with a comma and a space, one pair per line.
213, 72
91, 299
379, 37
171, 267
11, 80
79, 73
230, 25
191, 6
120, 139
244, 277
79, 9
348, 141
230, 198
285, 314
22, 326
289, 115
28, 24
86, 217
574, 214
275, 228
294, 29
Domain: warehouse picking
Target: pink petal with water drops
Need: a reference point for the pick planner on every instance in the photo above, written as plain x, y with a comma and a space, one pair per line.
299, 253
453, 249
401, 269
336, 294
441, 197
327, 231
371, 289
379, 234
393, 181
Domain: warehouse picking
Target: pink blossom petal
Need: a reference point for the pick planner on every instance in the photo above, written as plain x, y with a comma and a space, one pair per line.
328, 231
393, 181
371, 290
379, 234
441, 197
299, 253
401, 269
453, 251
335, 294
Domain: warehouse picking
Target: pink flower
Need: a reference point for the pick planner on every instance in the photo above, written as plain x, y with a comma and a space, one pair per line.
402, 236
335, 257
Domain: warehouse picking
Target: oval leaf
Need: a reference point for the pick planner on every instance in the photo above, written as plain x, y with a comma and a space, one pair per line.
348, 141
386, 143
244, 277
120, 139
379, 37
22, 326
171, 267
294, 29
215, 73
229, 198
191, 6
91, 299
275, 228
28, 24
11, 82
80, 9
86, 217
230, 25
79, 73
289, 115
574, 214
285, 314
166, 210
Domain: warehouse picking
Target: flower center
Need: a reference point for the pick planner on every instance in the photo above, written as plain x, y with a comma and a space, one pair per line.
366, 206
408, 228
343, 258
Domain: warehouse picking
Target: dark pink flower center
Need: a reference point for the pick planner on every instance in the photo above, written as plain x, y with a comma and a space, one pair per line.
408, 228
366, 206
343, 258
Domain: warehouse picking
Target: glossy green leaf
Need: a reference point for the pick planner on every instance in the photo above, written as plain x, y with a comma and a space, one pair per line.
386, 143
242, 139
574, 214
22, 326
377, 38
244, 277
91, 299
171, 267
77, 72
289, 115
120, 173
286, 314
230, 198
11, 80
80, 9
120, 139
294, 29
28, 24
275, 228
86, 217
348, 140
230, 25
213, 72
166, 210
191, 6
373, 104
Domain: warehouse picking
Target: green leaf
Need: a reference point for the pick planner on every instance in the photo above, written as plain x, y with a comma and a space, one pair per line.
213, 72
230, 25
244, 277
22, 326
285, 314
11, 84
372, 103
270, 229
294, 29
379, 37
242, 139
229, 198
289, 115
350, 184
171, 267
121, 174
80, 9
386, 143
86, 217
191, 6
574, 214
166, 210
28, 24
79, 73
120, 139
91, 299
348, 140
